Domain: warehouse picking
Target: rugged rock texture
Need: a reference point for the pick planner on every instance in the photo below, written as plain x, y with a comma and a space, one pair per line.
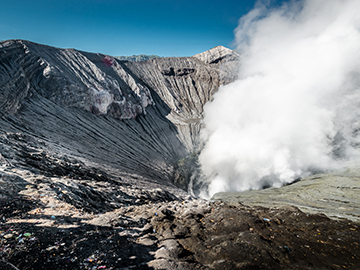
184, 85
216, 55
39, 229
226, 59
134, 117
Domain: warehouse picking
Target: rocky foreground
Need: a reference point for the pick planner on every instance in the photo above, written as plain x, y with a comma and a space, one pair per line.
47, 231
57, 212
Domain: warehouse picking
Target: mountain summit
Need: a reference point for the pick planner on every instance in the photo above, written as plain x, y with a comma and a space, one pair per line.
216, 54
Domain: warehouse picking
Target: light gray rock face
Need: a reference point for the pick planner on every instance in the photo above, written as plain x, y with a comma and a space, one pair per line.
184, 85
225, 59
71, 78
215, 55
138, 118
334, 194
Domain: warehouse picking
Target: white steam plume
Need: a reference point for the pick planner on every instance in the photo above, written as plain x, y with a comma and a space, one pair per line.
296, 105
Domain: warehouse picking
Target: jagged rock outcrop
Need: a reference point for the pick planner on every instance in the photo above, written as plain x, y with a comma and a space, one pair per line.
226, 60
216, 54
138, 118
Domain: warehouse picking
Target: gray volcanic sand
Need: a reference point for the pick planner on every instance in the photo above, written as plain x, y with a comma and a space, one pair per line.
336, 194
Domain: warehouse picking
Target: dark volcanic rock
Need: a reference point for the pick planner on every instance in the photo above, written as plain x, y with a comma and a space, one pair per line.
184, 235
137, 118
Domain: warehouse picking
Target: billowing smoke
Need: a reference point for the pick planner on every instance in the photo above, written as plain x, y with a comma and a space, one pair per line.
295, 108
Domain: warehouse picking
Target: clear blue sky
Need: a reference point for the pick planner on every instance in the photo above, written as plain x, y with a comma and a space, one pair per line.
124, 27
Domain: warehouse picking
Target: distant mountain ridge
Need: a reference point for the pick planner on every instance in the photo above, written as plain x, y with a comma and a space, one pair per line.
137, 58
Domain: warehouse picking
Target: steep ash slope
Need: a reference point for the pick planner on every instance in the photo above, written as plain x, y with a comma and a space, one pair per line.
186, 84
136, 118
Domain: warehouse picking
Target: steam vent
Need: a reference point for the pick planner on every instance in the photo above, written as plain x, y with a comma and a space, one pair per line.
99, 169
